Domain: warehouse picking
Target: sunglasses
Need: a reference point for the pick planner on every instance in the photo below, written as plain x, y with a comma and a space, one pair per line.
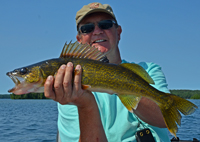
104, 25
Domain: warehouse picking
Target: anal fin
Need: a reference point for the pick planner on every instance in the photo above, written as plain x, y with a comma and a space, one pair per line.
129, 101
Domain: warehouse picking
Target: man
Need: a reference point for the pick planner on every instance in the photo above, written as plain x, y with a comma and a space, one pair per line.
93, 116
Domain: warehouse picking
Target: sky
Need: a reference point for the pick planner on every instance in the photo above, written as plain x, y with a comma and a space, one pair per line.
164, 32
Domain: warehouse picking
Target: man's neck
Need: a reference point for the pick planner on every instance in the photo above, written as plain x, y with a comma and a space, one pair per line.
116, 61
115, 58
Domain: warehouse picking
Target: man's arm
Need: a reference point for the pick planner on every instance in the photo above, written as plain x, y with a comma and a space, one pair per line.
147, 110
63, 91
91, 129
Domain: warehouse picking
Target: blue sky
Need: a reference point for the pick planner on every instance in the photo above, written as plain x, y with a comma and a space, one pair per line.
163, 32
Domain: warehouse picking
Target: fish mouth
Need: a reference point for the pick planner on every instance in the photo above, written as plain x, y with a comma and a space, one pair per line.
14, 79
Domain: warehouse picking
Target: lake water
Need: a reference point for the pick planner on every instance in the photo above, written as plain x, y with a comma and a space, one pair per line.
28, 120
36, 121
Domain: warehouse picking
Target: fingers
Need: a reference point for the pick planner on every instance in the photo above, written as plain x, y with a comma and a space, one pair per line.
64, 88
58, 86
77, 79
67, 81
48, 88
77, 90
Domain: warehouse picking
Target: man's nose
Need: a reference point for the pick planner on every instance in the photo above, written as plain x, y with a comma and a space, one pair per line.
97, 30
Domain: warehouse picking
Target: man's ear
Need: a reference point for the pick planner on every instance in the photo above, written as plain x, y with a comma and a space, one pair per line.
78, 37
119, 31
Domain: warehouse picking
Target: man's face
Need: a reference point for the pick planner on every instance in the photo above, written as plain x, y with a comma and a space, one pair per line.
104, 40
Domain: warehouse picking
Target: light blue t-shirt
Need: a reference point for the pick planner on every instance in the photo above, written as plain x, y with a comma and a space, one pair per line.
119, 124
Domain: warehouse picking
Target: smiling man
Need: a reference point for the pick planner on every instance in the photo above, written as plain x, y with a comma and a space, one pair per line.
93, 116
104, 33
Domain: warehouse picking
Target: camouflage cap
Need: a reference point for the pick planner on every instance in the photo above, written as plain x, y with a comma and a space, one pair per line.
92, 8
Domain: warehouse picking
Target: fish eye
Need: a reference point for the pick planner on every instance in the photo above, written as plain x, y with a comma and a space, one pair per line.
23, 71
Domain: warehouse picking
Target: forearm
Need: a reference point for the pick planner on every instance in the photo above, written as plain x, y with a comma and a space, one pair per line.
91, 129
149, 112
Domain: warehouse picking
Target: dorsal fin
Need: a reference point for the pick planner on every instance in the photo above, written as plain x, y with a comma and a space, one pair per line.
77, 50
139, 71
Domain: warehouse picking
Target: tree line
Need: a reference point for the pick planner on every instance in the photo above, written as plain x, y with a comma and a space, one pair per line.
186, 94
28, 96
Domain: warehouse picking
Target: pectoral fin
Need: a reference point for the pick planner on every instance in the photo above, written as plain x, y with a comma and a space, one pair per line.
84, 87
137, 69
129, 101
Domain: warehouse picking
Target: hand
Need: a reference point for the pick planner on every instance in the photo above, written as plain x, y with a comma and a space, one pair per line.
63, 91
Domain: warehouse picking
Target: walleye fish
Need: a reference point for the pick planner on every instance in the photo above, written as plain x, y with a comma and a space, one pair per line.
129, 81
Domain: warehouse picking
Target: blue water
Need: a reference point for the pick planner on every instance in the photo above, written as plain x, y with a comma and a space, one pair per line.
36, 121
190, 125
28, 120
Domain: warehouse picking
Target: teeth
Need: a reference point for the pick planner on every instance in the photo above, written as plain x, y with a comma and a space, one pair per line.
15, 80
101, 40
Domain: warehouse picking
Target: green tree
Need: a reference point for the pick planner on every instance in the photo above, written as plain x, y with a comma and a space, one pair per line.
196, 96
28, 96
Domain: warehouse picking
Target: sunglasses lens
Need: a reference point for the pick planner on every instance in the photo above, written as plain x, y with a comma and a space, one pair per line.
105, 24
87, 28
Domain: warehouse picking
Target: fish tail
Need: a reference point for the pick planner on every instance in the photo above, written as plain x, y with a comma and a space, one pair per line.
172, 114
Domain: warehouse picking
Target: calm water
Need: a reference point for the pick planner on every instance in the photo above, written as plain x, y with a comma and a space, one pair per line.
28, 120
36, 121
